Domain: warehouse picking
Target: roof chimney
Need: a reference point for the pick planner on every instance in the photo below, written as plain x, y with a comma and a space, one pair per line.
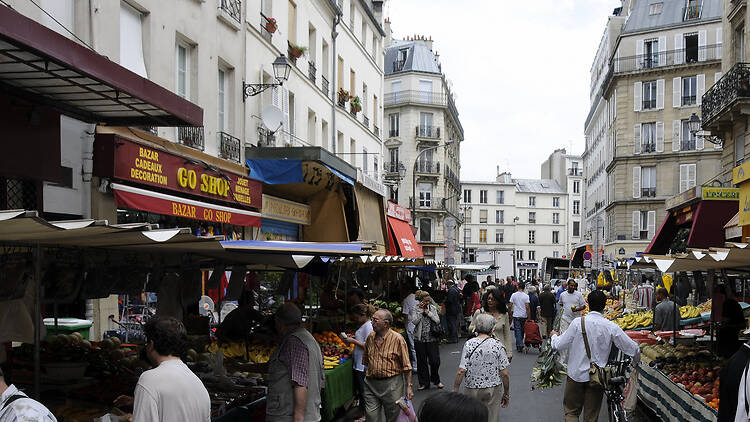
388, 32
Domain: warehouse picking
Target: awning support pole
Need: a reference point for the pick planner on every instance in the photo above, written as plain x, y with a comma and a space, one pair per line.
38, 319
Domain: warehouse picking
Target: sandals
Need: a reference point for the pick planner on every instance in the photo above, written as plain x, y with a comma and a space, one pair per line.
421, 387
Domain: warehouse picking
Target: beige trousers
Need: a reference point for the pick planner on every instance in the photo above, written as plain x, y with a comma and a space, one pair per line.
491, 397
582, 396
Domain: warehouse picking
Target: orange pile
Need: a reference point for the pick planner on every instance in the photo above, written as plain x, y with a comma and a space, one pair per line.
331, 338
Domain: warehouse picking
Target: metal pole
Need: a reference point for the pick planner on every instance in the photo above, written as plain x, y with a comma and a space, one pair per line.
37, 319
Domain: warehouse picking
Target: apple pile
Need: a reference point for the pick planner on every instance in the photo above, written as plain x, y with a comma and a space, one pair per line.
702, 382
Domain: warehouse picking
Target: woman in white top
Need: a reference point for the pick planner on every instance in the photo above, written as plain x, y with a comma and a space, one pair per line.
484, 366
426, 345
361, 314
493, 303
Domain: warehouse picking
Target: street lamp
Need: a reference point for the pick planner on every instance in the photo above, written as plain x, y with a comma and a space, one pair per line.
281, 69
414, 175
694, 125
467, 208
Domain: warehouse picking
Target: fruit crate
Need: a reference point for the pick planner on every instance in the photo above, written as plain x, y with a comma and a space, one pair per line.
68, 326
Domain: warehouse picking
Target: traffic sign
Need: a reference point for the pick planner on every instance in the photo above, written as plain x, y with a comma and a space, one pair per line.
587, 263
587, 256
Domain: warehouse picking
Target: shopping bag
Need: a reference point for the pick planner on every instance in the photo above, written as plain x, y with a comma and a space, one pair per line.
630, 393
407, 411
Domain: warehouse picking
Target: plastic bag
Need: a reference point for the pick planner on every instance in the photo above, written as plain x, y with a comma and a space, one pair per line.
630, 393
407, 411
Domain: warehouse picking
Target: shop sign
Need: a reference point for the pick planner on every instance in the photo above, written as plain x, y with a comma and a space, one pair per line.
149, 166
370, 183
744, 204
398, 212
684, 215
721, 194
285, 210
621, 251
528, 265
741, 173
680, 199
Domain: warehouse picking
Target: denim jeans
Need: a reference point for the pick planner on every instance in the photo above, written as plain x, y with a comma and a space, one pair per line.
452, 321
518, 328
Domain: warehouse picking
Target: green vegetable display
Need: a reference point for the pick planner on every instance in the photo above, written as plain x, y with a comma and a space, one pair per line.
549, 371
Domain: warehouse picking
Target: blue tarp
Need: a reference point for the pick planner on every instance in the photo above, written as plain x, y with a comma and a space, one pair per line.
311, 248
274, 171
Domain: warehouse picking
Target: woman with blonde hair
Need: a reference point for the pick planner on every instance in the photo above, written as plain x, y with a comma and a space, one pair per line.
425, 344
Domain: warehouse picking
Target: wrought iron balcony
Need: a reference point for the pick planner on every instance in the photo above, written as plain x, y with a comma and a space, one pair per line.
648, 147
575, 171
688, 100
233, 8
324, 85
428, 167
398, 65
366, 121
431, 132
392, 133
432, 203
311, 70
733, 87
393, 167
667, 58
229, 147
263, 31
649, 104
191, 136
376, 130
648, 192
417, 97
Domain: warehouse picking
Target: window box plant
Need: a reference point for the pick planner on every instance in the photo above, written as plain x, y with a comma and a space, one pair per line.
356, 105
271, 25
296, 51
343, 96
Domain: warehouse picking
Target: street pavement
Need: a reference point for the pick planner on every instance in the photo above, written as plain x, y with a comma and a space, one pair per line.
525, 405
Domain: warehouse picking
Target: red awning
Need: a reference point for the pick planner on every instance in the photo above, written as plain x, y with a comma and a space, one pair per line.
706, 227
407, 244
40, 65
663, 237
160, 203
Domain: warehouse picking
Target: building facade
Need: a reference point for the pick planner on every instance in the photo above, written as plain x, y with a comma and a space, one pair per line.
567, 170
422, 142
663, 60
526, 216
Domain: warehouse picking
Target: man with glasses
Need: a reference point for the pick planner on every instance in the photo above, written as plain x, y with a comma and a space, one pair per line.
388, 376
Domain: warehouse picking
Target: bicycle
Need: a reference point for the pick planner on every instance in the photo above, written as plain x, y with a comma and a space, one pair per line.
615, 388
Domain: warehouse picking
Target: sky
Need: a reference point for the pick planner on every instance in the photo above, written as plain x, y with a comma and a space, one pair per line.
519, 70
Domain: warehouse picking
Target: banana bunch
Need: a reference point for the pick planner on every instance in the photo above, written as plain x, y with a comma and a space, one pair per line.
705, 306
635, 320
330, 362
229, 350
260, 354
689, 311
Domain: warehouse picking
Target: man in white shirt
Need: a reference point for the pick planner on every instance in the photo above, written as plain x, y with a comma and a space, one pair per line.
519, 306
409, 303
571, 304
15, 406
170, 392
601, 334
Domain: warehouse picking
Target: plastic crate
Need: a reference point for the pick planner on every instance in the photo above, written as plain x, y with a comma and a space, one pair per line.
68, 326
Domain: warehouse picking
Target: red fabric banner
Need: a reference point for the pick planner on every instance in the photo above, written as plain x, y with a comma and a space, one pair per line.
407, 244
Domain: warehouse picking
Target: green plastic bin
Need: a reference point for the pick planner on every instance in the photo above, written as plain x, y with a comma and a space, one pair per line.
68, 326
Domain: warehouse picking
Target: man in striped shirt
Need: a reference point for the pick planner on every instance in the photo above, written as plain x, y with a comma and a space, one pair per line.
644, 295
388, 376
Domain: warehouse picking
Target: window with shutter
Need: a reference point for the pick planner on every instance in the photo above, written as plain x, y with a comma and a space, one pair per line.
691, 175
636, 224
683, 178
701, 89
651, 227
676, 92
639, 54
659, 136
702, 46
676, 129
678, 53
636, 182
660, 94
719, 42
131, 38
662, 51
285, 111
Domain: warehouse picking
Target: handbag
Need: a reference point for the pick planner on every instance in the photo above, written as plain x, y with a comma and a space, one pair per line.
436, 329
597, 376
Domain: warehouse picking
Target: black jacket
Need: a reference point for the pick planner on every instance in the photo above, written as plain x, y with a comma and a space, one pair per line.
729, 386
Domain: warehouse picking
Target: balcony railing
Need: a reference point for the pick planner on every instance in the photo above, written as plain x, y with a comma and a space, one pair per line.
191, 136
366, 121
398, 65
688, 100
432, 132
393, 166
428, 167
376, 130
649, 104
392, 133
311, 70
648, 147
667, 58
648, 192
233, 8
324, 85
415, 96
688, 145
229, 147
735, 84
575, 171
432, 203
263, 31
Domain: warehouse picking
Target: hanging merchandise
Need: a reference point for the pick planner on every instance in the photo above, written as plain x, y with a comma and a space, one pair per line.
667, 280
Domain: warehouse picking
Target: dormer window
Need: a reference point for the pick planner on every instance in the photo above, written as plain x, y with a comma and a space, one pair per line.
692, 10
655, 8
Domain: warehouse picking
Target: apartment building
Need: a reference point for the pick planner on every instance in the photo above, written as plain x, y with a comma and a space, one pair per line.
665, 56
423, 143
527, 216
567, 170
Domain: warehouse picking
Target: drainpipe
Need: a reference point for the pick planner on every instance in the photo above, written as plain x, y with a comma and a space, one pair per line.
334, 59
87, 165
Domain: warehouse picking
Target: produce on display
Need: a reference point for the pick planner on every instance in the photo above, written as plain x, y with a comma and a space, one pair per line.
255, 352
689, 311
635, 320
335, 352
393, 307
613, 309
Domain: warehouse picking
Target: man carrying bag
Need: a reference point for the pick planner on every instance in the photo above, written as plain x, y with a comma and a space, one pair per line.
589, 351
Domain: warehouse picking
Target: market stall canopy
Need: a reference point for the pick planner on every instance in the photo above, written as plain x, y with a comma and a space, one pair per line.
38, 64
403, 238
471, 267
734, 255
301, 248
